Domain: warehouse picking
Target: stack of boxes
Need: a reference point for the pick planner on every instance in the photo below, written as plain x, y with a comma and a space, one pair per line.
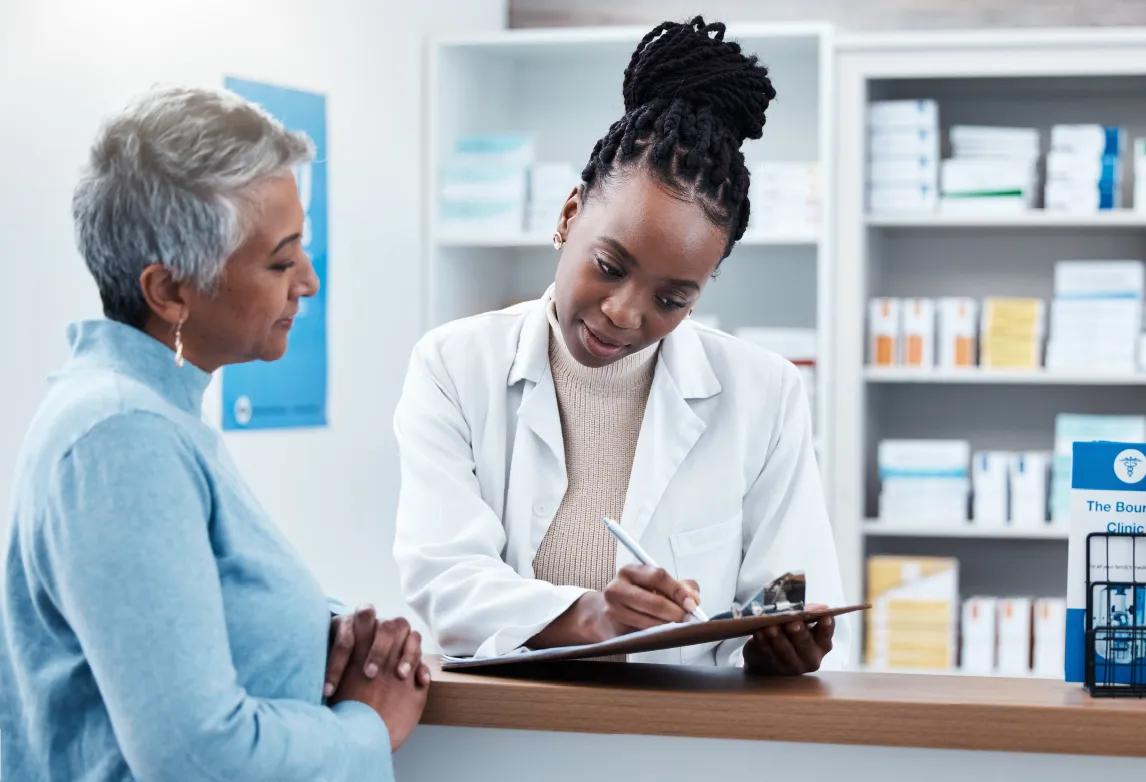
1084, 168
1010, 489
993, 170
1013, 636
903, 332
483, 186
924, 481
549, 186
1012, 333
1096, 315
785, 198
903, 155
913, 620
1069, 429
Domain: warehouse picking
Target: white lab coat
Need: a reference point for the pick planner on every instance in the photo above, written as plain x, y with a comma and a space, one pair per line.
724, 487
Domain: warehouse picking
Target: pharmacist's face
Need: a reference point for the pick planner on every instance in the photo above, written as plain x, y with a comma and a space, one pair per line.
635, 261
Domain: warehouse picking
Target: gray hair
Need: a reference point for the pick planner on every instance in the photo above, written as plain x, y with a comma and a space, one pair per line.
168, 182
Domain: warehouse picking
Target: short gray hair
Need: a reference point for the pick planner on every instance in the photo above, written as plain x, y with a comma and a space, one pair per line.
168, 182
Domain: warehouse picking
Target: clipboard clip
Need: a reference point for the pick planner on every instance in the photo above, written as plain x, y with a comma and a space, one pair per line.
785, 593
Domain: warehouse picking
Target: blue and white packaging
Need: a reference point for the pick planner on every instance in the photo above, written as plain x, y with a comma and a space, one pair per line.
1108, 495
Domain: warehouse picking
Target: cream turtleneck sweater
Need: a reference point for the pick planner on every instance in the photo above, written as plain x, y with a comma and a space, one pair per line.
601, 412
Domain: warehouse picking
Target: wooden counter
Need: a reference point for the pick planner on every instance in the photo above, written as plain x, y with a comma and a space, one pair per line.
942, 712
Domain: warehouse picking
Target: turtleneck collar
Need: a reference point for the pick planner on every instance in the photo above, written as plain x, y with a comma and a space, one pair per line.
623, 374
126, 349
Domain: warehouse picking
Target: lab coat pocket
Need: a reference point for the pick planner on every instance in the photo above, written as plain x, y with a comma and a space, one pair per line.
711, 557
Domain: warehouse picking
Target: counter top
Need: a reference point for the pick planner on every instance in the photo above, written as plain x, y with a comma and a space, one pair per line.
907, 710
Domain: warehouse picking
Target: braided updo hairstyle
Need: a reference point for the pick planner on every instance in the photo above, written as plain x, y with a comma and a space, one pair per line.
691, 99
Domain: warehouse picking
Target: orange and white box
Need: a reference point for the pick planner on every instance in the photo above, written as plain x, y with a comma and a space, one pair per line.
918, 333
958, 332
884, 332
1014, 635
977, 652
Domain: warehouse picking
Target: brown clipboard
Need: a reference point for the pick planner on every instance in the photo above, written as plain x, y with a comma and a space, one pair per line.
654, 639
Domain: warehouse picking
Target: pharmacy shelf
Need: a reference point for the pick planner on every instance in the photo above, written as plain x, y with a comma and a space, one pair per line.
1001, 377
1000, 78
957, 529
544, 240
1035, 218
952, 672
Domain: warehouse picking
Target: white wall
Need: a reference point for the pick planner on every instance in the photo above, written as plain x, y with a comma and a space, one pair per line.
66, 65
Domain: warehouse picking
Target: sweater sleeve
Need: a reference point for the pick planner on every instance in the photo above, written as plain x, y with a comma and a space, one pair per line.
126, 556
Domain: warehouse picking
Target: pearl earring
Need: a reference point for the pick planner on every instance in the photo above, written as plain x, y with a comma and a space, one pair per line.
558, 240
179, 344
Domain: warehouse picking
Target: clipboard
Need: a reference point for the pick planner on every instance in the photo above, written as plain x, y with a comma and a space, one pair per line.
666, 636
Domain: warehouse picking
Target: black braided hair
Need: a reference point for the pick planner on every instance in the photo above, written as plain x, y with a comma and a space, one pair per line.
691, 99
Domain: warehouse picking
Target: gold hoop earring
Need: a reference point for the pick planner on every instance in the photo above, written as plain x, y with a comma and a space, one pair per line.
558, 240
179, 344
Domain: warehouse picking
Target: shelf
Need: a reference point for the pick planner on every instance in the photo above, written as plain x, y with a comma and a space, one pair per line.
959, 529
865, 668
1035, 218
546, 240
1001, 377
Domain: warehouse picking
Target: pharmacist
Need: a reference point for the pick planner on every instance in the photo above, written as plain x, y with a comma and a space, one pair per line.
520, 430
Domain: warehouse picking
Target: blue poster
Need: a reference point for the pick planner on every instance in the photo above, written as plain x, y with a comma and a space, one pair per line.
290, 392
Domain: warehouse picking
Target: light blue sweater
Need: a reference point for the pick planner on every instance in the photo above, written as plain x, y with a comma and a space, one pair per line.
156, 625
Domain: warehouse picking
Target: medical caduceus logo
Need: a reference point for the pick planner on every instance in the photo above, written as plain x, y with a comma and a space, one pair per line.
1131, 463
1127, 465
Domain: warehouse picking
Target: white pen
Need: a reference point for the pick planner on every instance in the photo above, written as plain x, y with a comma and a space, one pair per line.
643, 557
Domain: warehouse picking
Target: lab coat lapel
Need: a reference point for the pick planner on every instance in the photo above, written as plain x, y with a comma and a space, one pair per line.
538, 413
670, 427
537, 476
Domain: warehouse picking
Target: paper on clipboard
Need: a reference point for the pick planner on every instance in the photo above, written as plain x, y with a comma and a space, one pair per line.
666, 636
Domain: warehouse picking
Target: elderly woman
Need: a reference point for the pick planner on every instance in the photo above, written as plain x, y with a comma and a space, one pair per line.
156, 624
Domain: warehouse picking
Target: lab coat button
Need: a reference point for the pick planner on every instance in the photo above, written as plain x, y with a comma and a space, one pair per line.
542, 509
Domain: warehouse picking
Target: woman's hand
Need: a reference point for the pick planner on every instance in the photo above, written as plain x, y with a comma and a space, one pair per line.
789, 649
342, 644
640, 596
398, 700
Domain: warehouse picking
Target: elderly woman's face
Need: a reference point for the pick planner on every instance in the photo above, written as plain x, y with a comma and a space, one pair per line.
250, 314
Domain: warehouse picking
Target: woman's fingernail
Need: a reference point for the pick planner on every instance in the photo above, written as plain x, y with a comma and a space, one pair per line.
371, 670
404, 670
689, 604
327, 690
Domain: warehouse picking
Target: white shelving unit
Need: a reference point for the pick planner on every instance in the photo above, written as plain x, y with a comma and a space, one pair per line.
1034, 78
958, 529
563, 87
1034, 218
1000, 377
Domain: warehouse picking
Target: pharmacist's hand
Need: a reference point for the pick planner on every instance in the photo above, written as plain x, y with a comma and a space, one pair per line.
790, 649
643, 596
342, 643
639, 597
